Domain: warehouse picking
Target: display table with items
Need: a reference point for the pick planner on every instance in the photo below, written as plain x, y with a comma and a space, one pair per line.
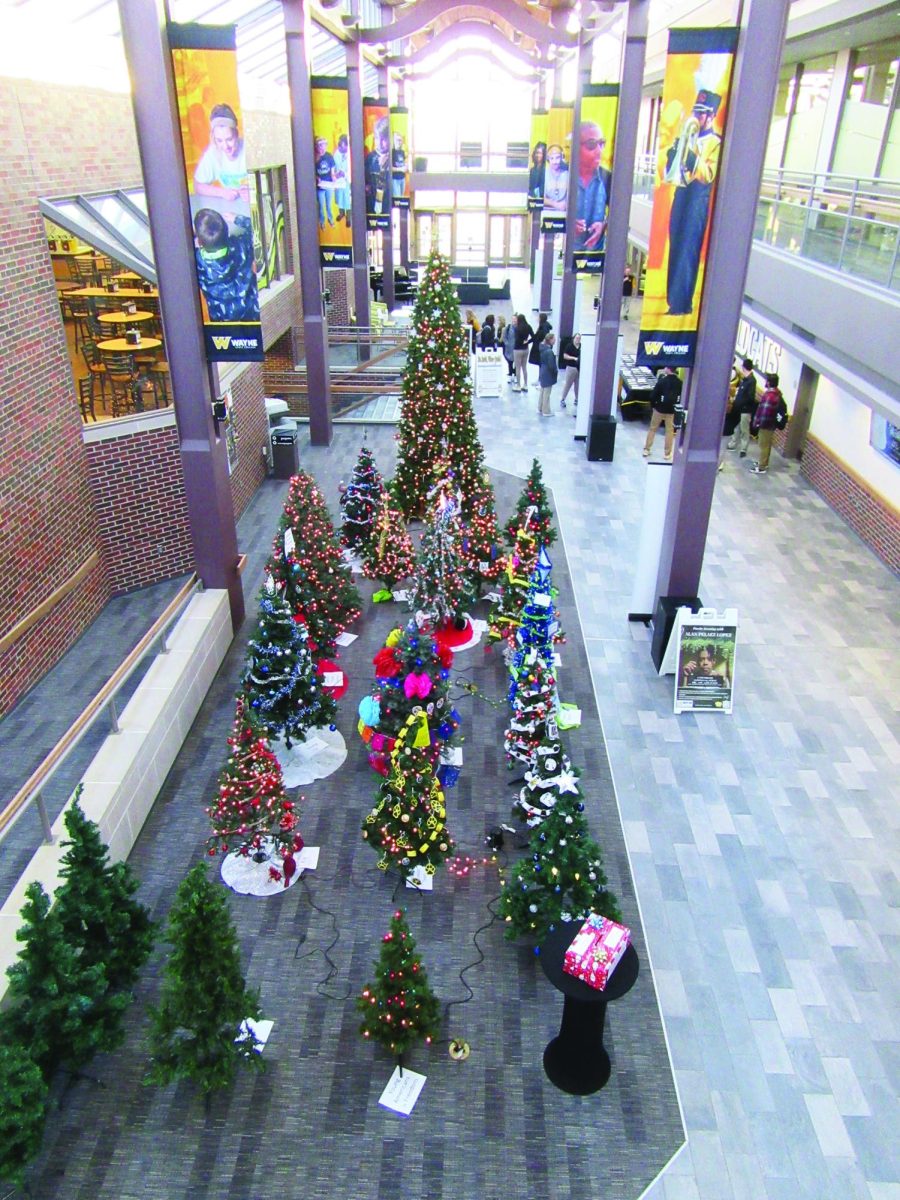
636, 386
576, 1060
490, 372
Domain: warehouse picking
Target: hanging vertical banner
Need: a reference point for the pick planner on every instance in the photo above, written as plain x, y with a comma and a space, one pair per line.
593, 147
377, 133
204, 65
692, 121
557, 174
538, 159
400, 157
331, 120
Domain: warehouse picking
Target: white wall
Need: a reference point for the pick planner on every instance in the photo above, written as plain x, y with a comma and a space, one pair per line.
843, 424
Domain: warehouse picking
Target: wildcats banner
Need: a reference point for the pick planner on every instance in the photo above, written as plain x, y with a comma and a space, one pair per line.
539, 120
400, 157
694, 109
592, 153
556, 176
331, 120
209, 109
379, 184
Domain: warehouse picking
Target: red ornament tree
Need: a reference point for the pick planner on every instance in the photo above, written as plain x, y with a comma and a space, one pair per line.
481, 538
389, 556
533, 512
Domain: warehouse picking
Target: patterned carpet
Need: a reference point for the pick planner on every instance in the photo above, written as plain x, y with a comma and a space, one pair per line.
310, 1125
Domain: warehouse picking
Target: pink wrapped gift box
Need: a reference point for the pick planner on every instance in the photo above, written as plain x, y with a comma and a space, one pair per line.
596, 950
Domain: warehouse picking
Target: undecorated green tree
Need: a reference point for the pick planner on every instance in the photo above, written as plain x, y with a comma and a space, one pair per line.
196, 1028
23, 1108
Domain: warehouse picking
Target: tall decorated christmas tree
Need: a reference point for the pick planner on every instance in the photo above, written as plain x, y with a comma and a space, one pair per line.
412, 672
437, 422
307, 561
399, 1008
280, 683
388, 556
534, 706
532, 510
481, 538
561, 878
439, 588
252, 812
531, 664
516, 570
407, 825
197, 1030
550, 777
360, 500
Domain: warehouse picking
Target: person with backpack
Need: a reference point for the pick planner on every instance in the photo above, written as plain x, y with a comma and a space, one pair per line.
771, 414
487, 339
743, 408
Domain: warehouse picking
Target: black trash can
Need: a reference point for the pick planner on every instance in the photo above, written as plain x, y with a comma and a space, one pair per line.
664, 620
601, 439
285, 451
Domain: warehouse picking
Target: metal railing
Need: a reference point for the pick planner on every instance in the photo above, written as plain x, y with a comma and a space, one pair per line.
104, 701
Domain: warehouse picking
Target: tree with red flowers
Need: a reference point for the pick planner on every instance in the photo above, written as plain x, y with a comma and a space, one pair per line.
389, 556
533, 512
307, 561
252, 812
360, 500
399, 1008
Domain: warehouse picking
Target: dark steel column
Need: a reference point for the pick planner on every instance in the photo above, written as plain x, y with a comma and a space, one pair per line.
315, 327
696, 459
606, 342
387, 235
358, 188
569, 280
203, 456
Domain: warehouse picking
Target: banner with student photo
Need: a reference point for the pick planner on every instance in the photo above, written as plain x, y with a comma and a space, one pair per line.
400, 162
696, 92
593, 147
557, 174
377, 139
704, 673
331, 122
537, 169
204, 65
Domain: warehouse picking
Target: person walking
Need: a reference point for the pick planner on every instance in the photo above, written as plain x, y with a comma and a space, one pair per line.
522, 340
666, 395
744, 408
507, 339
627, 292
765, 422
571, 360
548, 375
534, 354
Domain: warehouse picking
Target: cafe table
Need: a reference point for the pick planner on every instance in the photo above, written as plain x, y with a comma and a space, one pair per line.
124, 318
97, 293
126, 275
120, 345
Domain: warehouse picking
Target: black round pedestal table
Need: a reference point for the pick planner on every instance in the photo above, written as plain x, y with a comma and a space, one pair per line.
576, 1060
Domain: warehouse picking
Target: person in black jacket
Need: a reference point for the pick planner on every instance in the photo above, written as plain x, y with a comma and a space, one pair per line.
534, 354
524, 334
570, 358
487, 339
744, 408
666, 395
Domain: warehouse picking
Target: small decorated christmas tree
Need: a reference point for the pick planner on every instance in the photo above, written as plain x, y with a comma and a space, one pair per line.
437, 422
560, 879
532, 510
389, 556
534, 705
481, 538
23, 1109
252, 813
406, 826
412, 672
550, 777
399, 1008
516, 570
280, 682
439, 587
307, 561
96, 906
197, 1031
360, 500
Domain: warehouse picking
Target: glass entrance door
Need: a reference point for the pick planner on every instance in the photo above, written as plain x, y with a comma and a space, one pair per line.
470, 239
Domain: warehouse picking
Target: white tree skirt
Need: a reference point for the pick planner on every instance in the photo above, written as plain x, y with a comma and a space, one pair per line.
251, 878
318, 757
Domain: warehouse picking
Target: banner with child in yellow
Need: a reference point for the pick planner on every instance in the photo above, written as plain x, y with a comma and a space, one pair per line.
331, 121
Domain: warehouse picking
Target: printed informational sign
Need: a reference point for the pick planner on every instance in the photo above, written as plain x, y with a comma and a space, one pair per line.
593, 146
692, 122
557, 173
209, 109
400, 157
538, 159
331, 121
704, 669
377, 134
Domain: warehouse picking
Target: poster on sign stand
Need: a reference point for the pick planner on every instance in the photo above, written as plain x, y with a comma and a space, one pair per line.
704, 644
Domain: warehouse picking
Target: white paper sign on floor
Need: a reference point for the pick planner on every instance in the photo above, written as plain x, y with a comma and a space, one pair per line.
452, 756
311, 747
402, 1091
333, 679
345, 638
308, 858
419, 880
259, 1030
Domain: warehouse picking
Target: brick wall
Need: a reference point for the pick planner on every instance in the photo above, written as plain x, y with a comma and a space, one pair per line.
338, 284
866, 513
138, 491
252, 430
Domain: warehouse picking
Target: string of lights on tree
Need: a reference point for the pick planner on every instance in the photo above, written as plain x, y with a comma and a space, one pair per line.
439, 587
481, 539
516, 569
360, 501
532, 512
399, 1008
389, 556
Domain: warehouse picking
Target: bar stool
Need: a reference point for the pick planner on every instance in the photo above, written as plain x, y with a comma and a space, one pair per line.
86, 397
159, 375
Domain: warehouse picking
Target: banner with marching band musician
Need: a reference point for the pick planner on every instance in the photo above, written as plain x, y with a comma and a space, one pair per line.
377, 138
400, 163
557, 174
538, 159
331, 123
593, 146
695, 99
